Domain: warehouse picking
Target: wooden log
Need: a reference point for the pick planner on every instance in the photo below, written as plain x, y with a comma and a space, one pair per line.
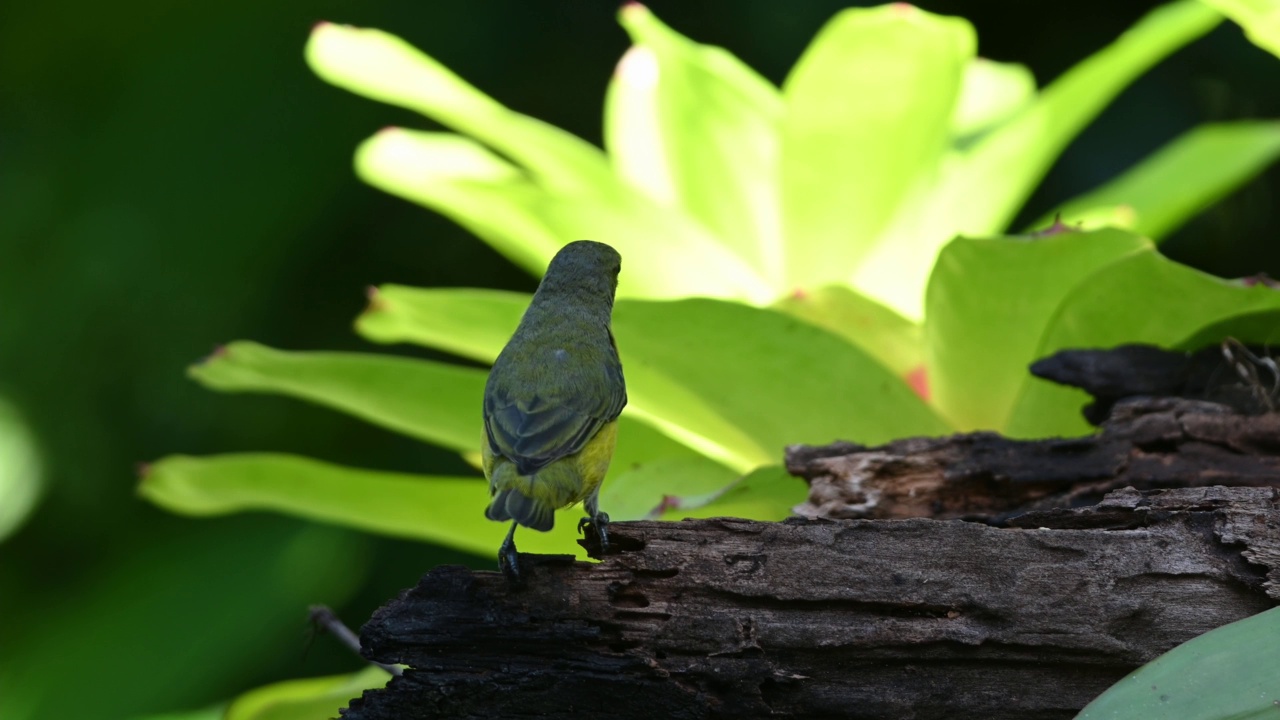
1147, 443
913, 618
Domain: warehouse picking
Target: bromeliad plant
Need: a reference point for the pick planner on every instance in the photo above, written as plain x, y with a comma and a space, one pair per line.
801, 264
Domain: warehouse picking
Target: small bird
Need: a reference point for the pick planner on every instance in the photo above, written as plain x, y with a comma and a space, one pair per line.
552, 400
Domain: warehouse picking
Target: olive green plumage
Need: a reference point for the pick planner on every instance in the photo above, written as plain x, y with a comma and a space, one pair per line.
554, 395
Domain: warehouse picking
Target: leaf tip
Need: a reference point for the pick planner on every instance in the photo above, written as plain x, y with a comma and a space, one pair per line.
219, 351
142, 470
375, 300
1262, 279
1057, 228
633, 10
918, 380
638, 67
665, 505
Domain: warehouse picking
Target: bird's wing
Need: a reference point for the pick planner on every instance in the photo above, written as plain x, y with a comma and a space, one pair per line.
535, 427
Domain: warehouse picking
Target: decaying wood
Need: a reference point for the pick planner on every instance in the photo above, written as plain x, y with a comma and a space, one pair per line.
1244, 378
911, 618
1147, 443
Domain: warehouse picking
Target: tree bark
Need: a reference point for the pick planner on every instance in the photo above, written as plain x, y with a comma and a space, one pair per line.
952, 577
913, 618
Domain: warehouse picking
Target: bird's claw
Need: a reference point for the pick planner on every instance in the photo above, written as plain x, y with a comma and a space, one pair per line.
509, 564
599, 523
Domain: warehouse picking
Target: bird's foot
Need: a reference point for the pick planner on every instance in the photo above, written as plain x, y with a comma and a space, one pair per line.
509, 561
600, 524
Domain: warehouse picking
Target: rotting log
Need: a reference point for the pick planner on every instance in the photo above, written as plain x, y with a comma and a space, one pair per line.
1146, 443
913, 618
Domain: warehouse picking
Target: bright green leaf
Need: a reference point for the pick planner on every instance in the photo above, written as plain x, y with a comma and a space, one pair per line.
1225, 674
467, 183
1253, 328
988, 303
648, 487
447, 511
1143, 298
694, 127
704, 372
868, 112
1259, 18
990, 93
741, 383
21, 479
529, 222
426, 400
768, 493
1182, 178
308, 699
472, 323
979, 189
891, 339
383, 67
1000, 172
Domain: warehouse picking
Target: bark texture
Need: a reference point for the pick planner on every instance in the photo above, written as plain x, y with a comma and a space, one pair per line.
910, 618
1147, 443
971, 576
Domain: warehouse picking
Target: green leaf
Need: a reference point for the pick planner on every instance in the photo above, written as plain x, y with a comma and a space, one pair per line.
21, 477
768, 493
868, 112
1259, 18
471, 323
989, 302
740, 383
665, 252
1143, 298
979, 189
650, 487
705, 372
694, 127
1225, 674
467, 183
426, 400
891, 339
1182, 178
1000, 172
990, 93
307, 699
383, 67
447, 511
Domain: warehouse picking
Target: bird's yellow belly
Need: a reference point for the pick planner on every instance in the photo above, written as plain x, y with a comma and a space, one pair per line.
566, 481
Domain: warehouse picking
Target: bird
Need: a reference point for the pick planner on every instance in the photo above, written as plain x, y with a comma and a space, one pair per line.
552, 400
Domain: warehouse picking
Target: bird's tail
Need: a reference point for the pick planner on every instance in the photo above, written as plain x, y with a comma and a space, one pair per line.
515, 505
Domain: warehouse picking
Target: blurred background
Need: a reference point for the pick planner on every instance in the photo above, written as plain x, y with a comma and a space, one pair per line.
173, 177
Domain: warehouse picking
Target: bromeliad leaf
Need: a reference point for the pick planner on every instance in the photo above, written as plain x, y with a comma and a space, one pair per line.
1226, 673
868, 112
529, 221
980, 187
318, 698
1259, 18
988, 303
1142, 298
430, 401
1180, 180
704, 372
694, 128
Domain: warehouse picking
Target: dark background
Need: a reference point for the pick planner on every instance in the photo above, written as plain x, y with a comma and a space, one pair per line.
172, 177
